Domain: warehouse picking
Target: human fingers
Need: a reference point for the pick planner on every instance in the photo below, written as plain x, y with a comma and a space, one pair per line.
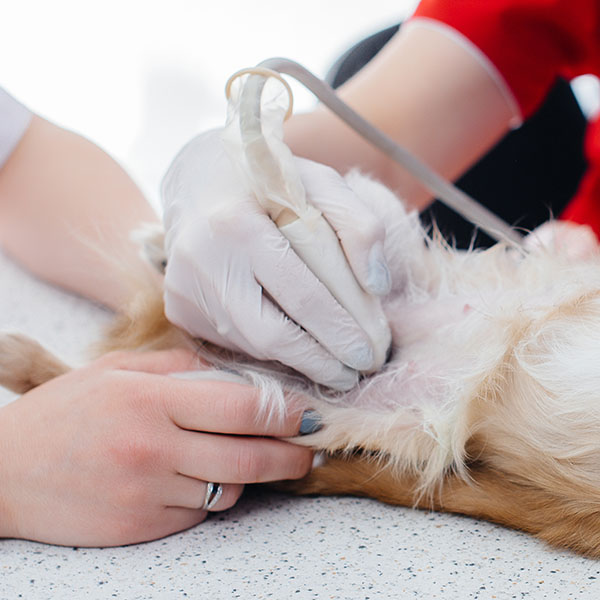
173, 518
301, 295
359, 230
229, 307
279, 338
187, 492
238, 459
251, 324
186, 313
224, 407
242, 315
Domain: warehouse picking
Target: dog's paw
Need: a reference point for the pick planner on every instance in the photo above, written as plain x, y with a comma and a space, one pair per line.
151, 239
25, 364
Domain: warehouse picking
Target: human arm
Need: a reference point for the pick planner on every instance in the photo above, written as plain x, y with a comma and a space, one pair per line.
435, 86
426, 92
66, 210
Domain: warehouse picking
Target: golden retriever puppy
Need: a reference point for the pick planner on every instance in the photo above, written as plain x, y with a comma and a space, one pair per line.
490, 402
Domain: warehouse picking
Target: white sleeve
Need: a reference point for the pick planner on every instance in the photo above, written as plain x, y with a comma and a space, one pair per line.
14, 119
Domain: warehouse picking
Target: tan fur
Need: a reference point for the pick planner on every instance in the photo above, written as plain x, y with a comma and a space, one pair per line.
489, 494
511, 487
25, 364
506, 480
143, 326
498, 417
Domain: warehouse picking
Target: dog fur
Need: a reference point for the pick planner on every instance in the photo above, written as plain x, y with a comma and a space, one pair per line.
489, 405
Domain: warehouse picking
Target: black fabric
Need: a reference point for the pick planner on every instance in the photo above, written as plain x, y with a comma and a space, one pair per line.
529, 176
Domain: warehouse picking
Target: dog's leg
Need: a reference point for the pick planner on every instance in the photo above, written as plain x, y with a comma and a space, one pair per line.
143, 326
25, 364
489, 494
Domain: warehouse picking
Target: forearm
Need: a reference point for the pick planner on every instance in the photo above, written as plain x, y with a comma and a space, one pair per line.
425, 91
66, 210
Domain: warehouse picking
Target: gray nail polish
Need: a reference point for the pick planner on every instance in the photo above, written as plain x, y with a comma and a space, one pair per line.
311, 422
379, 279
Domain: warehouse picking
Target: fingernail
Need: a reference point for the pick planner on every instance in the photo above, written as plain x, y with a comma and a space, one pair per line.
360, 359
345, 380
379, 280
311, 422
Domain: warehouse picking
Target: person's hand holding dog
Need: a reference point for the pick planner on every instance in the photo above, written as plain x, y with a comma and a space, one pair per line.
118, 452
233, 279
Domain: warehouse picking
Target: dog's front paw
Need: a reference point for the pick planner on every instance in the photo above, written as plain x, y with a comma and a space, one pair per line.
25, 364
151, 239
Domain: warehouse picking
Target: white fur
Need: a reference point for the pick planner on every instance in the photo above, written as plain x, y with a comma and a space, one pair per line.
497, 328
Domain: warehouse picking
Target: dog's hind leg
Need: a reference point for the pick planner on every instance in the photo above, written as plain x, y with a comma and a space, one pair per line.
25, 364
487, 494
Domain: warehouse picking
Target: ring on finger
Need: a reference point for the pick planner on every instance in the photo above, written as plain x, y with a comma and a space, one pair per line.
214, 491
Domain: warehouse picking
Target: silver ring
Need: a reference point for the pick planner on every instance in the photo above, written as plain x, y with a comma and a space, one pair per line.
214, 491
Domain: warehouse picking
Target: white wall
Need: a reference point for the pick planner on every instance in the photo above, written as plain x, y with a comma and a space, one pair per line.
141, 77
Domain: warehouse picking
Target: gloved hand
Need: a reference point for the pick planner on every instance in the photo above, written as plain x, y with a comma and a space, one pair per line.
233, 279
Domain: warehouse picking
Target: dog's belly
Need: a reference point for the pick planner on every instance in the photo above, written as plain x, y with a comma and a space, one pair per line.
429, 354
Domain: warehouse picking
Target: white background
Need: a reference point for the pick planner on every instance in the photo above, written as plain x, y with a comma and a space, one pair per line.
140, 78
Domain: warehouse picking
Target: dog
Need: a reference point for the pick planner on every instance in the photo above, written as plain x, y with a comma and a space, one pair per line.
489, 405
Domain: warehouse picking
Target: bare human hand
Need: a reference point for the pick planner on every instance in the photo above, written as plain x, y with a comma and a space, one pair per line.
117, 452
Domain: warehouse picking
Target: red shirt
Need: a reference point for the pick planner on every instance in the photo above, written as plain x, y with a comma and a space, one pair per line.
531, 43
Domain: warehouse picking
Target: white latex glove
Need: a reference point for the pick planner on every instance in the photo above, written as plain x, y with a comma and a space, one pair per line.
232, 277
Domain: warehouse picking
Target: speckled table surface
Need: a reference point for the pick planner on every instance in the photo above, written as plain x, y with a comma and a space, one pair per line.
270, 545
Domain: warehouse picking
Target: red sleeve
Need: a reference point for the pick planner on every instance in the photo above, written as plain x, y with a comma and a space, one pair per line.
584, 208
530, 42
